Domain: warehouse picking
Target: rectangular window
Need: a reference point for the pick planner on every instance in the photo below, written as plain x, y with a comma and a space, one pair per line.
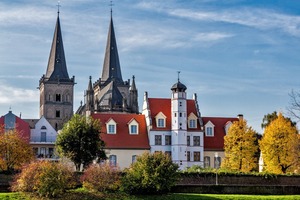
188, 141
133, 158
192, 123
161, 123
111, 128
168, 140
196, 140
43, 152
57, 114
51, 153
133, 129
58, 98
157, 139
36, 151
188, 156
196, 156
43, 136
206, 162
217, 162
113, 160
209, 131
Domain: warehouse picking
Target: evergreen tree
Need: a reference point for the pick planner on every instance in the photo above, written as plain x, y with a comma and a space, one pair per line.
280, 146
241, 148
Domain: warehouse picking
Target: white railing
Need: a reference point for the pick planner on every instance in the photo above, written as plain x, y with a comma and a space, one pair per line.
39, 139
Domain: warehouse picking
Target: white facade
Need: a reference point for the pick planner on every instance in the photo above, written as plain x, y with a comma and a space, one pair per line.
42, 139
183, 139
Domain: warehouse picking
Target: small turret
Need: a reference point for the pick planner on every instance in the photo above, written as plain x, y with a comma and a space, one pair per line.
90, 97
133, 97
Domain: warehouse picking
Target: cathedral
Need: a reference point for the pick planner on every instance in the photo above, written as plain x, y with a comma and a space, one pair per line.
110, 93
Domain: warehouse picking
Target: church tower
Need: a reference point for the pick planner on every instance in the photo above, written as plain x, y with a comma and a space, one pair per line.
111, 92
179, 124
56, 87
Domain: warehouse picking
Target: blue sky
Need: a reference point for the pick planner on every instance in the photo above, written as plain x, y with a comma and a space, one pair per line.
239, 56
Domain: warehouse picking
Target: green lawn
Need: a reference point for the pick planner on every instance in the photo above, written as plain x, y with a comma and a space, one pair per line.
84, 195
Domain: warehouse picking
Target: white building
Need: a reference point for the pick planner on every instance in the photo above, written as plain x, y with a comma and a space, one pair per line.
175, 127
42, 138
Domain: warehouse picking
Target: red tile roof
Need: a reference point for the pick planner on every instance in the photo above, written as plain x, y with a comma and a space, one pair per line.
217, 141
122, 139
157, 105
20, 125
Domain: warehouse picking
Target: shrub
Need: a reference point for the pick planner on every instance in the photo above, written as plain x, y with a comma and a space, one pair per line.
45, 178
150, 174
101, 177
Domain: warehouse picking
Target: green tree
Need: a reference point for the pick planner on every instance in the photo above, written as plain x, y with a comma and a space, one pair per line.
271, 117
150, 174
241, 148
14, 151
280, 146
80, 141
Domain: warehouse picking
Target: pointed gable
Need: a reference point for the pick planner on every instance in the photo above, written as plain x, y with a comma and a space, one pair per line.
133, 126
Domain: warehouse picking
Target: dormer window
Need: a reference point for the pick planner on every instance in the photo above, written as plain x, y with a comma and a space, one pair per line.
192, 121
160, 120
111, 127
161, 123
209, 129
133, 127
227, 126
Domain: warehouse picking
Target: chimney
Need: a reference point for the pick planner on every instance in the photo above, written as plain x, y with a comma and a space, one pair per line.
240, 117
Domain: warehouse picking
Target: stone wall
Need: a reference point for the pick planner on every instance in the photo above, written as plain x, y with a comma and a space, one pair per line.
245, 180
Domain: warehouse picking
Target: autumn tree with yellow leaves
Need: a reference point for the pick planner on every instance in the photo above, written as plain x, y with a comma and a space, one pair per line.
280, 146
241, 148
14, 151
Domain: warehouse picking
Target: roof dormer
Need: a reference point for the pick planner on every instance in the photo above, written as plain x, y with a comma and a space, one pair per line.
209, 129
133, 127
192, 121
111, 126
227, 126
160, 119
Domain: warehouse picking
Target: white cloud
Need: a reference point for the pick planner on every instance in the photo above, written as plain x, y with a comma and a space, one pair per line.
14, 95
246, 16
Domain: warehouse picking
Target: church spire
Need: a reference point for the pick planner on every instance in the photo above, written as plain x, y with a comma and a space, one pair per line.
57, 68
111, 66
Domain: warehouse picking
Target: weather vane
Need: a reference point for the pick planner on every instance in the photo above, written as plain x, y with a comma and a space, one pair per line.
111, 5
178, 75
58, 5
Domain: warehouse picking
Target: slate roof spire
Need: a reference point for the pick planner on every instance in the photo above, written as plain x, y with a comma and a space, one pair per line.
111, 66
57, 67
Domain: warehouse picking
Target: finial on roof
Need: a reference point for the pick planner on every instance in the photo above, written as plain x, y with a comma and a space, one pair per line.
9, 108
58, 5
178, 75
111, 5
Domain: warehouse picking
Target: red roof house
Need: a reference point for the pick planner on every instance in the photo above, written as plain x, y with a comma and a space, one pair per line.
11, 121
